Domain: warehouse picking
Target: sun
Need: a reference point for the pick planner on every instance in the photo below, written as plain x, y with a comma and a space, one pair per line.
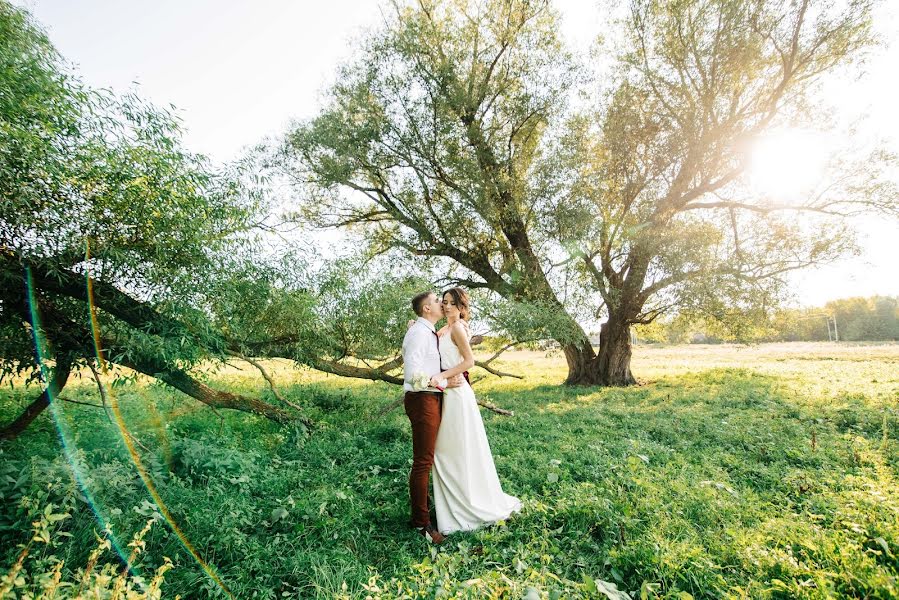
787, 166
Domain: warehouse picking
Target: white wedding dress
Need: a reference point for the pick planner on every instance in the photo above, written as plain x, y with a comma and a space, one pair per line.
467, 493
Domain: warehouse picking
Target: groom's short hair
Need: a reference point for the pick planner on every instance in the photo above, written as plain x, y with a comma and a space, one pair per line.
418, 302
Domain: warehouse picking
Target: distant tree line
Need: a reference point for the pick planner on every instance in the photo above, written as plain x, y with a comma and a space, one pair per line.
856, 319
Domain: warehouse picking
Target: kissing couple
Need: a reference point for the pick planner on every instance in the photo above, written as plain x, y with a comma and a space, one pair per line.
447, 430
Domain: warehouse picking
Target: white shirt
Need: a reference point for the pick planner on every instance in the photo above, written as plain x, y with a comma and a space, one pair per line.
421, 353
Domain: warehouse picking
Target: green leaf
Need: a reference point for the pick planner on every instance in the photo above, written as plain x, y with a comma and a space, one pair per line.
611, 591
520, 566
531, 593
278, 514
883, 544
647, 590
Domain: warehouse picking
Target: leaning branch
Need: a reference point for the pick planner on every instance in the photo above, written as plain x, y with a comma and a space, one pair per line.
344, 370
101, 389
182, 381
265, 375
58, 377
496, 372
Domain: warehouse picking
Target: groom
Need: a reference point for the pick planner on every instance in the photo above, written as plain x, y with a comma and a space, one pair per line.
421, 355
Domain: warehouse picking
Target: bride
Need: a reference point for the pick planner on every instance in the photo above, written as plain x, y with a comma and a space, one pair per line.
467, 492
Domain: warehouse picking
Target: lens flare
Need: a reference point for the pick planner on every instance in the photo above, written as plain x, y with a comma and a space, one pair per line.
74, 464
128, 440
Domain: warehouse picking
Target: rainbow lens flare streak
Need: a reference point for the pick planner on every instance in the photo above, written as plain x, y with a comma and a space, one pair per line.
68, 449
128, 440
72, 460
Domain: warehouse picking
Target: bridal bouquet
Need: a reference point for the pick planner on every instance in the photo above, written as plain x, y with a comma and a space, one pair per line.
421, 382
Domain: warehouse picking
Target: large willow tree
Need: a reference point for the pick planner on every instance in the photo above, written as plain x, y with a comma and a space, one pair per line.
449, 139
661, 213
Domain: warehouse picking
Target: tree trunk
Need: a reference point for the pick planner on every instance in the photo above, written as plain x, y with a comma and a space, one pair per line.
613, 363
60, 375
581, 360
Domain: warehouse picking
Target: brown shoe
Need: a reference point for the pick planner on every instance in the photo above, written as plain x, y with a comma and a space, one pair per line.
431, 534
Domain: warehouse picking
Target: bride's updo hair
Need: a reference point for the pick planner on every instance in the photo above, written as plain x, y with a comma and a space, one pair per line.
460, 297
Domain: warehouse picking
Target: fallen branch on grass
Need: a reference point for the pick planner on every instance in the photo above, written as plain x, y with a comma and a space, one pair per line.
495, 408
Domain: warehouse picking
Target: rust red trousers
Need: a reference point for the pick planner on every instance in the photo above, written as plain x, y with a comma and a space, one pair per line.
423, 409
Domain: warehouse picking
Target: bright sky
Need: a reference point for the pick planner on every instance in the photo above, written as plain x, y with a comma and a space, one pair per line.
238, 71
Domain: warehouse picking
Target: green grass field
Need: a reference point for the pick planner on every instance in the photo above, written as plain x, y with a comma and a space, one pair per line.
731, 472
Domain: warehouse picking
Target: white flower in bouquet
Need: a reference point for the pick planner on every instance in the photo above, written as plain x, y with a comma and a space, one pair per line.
420, 381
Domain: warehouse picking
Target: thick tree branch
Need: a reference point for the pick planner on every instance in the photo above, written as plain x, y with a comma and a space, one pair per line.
59, 375
182, 381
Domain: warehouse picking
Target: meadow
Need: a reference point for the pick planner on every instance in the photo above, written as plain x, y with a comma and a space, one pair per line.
764, 471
